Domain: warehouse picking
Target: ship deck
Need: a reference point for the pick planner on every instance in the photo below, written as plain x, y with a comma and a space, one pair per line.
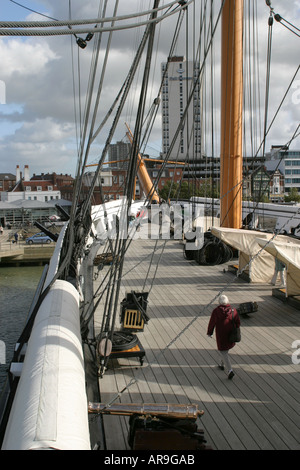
259, 409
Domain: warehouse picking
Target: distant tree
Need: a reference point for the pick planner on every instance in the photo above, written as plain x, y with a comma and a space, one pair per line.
264, 198
292, 196
185, 190
208, 188
172, 190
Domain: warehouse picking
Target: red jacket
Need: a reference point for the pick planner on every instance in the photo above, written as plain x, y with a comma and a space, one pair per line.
221, 319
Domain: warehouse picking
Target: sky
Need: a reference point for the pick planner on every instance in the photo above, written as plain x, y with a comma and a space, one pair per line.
38, 112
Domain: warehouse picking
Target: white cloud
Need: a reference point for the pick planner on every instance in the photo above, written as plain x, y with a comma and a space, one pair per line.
44, 131
44, 145
24, 58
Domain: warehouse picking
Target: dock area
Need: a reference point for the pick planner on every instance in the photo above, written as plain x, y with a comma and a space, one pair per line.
259, 409
15, 254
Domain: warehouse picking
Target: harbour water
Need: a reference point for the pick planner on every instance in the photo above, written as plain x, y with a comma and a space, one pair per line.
17, 289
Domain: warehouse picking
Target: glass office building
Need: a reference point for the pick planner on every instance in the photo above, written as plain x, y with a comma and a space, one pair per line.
291, 169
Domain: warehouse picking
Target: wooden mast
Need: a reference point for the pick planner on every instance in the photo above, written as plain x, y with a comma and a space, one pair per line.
231, 114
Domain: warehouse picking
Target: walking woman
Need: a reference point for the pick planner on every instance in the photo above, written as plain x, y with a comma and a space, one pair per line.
221, 320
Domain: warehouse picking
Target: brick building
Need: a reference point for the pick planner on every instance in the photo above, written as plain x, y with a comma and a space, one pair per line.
112, 184
63, 183
7, 181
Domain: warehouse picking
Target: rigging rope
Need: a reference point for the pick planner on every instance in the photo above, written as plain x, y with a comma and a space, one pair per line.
269, 54
173, 44
99, 90
118, 113
121, 243
282, 21
279, 107
78, 179
56, 22
192, 91
60, 32
129, 81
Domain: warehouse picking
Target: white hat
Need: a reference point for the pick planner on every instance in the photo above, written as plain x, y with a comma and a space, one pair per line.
223, 300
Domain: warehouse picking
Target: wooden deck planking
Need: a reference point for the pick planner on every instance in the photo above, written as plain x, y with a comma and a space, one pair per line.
259, 408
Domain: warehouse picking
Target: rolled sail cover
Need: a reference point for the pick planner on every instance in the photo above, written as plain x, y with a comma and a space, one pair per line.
50, 408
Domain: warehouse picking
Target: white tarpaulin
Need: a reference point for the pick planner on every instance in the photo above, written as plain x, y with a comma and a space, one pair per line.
253, 260
50, 409
287, 250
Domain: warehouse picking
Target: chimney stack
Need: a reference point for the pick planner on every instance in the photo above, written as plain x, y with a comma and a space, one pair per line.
26, 173
18, 176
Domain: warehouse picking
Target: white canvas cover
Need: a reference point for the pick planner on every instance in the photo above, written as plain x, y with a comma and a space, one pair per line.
253, 260
287, 250
50, 409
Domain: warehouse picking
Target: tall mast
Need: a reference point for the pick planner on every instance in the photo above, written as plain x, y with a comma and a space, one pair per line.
231, 114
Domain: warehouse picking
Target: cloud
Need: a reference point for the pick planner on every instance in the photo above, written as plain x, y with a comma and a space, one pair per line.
24, 58
41, 144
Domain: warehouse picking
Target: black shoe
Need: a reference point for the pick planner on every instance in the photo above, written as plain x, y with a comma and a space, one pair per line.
231, 374
221, 367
